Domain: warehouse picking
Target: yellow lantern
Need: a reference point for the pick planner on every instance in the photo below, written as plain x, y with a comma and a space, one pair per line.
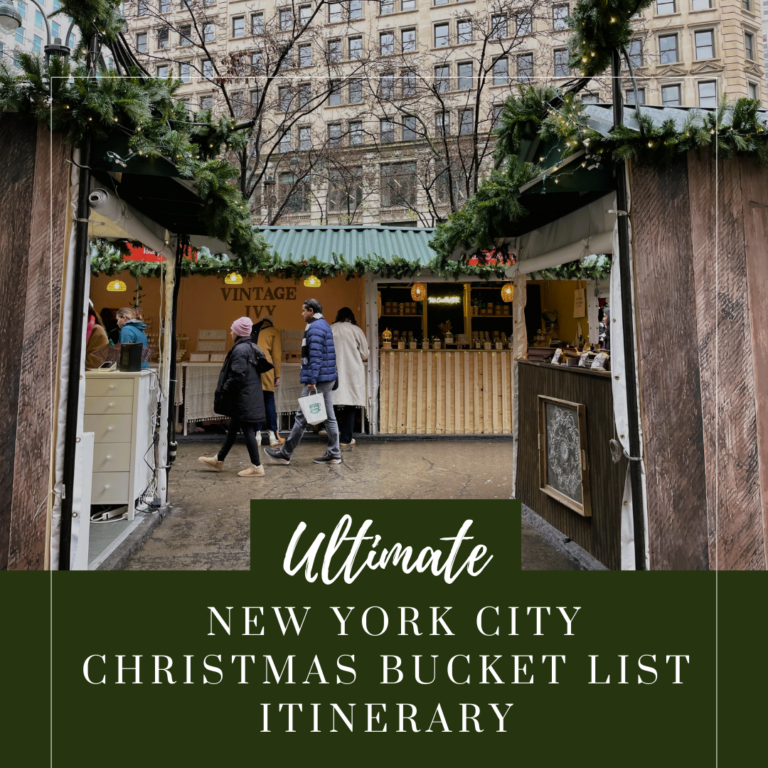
507, 292
312, 282
233, 278
419, 291
386, 336
116, 286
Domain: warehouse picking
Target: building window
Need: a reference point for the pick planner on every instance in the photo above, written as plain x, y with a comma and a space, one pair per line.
440, 2
238, 103
386, 7
668, 49
355, 9
284, 97
305, 14
185, 103
466, 121
631, 96
238, 26
257, 62
398, 184
19, 37
670, 95
207, 68
465, 75
285, 142
355, 133
185, 35
334, 135
747, 4
165, 6
498, 27
387, 86
257, 24
255, 101
334, 93
409, 40
163, 37
464, 32
443, 123
334, 13
408, 5
409, 128
387, 130
701, 5
206, 103
305, 139
442, 35
501, 72
560, 17
141, 42
525, 67
162, 71
305, 95
665, 7
561, 63
355, 91
708, 94
295, 194
23, 9
704, 42
749, 46
496, 113
408, 83
386, 43
285, 19
37, 43
589, 98
752, 90
185, 72
345, 189
355, 47
334, 51
442, 78
55, 30
524, 23
636, 53
142, 8
38, 19
209, 32
305, 55
209, 2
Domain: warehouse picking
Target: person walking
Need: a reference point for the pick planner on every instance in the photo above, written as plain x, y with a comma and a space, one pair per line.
351, 352
97, 342
318, 374
267, 337
132, 331
239, 396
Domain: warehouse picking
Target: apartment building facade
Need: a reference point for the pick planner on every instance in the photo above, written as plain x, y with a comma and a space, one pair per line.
36, 29
379, 111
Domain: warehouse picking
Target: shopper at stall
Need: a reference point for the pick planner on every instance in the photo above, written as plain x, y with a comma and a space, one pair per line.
239, 396
132, 331
318, 374
97, 343
351, 352
110, 325
267, 337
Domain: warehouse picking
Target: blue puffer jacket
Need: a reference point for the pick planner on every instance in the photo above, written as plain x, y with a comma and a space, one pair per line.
133, 333
321, 365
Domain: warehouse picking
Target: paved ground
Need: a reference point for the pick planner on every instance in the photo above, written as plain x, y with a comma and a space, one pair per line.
537, 554
210, 528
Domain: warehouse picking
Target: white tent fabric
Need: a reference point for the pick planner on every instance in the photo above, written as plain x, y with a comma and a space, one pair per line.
519, 352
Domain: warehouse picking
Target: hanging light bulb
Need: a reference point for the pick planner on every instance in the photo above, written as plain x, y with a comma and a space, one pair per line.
419, 291
116, 286
312, 282
507, 292
233, 278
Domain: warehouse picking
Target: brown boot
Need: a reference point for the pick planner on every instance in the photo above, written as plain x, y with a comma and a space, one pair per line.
212, 462
252, 471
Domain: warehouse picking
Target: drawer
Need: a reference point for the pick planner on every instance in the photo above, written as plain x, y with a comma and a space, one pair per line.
112, 457
109, 429
108, 405
110, 488
95, 386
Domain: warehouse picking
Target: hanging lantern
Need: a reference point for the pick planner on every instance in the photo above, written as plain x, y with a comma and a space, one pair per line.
507, 292
233, 278
419, 291
116, 286
312, 282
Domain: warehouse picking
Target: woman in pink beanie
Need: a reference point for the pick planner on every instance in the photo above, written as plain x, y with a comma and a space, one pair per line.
239, 396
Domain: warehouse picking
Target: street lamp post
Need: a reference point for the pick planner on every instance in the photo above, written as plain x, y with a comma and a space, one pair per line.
10, 21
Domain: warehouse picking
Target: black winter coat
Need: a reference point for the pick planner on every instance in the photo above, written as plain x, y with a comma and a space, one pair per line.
238, 393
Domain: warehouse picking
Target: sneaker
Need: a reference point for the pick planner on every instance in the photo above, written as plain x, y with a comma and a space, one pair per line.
348, 445
275, 439
328, 459
212, 462
322, 433
258, 437
277, 455
252, 471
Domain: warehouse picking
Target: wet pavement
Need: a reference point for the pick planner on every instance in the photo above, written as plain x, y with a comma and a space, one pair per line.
208, 528
538, 554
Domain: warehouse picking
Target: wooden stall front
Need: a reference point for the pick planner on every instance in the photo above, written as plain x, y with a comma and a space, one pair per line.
599, 531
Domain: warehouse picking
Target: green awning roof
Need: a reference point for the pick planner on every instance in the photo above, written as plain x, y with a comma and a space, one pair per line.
298, 243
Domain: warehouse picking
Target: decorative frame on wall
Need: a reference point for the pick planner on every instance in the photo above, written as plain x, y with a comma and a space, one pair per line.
563, 465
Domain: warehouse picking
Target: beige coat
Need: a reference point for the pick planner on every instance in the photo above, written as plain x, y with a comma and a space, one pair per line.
351, 352
270, 345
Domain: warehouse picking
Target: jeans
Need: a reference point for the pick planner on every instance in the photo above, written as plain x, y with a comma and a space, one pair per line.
269, 405
345, 416
250, 440
324, 388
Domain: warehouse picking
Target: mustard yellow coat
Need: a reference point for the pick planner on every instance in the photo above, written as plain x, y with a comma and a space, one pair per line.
269, 343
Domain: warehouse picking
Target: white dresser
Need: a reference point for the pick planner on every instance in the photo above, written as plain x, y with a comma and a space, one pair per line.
118, 410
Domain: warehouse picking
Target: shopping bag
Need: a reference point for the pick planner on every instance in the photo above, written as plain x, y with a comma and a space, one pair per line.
313, 408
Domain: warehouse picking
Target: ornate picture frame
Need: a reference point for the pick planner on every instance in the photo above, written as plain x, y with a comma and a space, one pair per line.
563, 462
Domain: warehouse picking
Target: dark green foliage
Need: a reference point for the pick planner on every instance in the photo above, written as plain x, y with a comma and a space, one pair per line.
521, 118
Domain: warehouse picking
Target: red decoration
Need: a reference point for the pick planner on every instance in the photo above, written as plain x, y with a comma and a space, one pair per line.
141, 253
